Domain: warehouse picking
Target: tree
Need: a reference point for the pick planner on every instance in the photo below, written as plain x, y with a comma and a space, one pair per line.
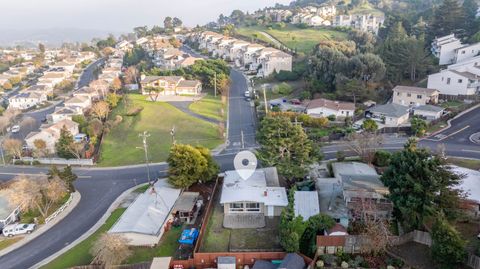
470, 8
101, 109
168, 23
448, 247
187, 166
419, 126
365, 145
448, 18
40, 149
14, 147
100, 86
116, 84
421, 186
39, 193
131, 75
315, 224
175, 42
66, 175
110, 250
41, 48
370, 125
285, 146
63, 144
113, 99
153, 92
140, 31
177, 22
212, 167
15, 80
7, 86
77, 150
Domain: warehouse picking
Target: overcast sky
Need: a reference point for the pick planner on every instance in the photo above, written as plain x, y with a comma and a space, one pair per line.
116, 15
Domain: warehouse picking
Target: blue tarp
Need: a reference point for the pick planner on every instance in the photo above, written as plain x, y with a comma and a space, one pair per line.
188, 236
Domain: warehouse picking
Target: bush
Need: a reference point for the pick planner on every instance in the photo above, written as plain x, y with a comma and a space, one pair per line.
287, 76
284, 89
340, 156
382, 158
331, 117
448, 248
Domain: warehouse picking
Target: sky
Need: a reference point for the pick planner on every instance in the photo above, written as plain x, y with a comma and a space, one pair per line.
117, 15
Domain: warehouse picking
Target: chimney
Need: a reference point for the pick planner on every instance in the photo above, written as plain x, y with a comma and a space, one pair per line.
265, 193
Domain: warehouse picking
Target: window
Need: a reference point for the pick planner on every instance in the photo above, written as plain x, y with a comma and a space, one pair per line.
463, 52
398, 93
252, 207
236, 207
448, 80
419, 96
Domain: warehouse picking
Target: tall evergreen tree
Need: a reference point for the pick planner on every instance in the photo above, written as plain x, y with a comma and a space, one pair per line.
470, 8
63, 144
448, 18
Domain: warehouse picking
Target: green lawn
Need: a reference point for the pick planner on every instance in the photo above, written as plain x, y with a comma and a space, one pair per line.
210, 107
216, 237
304, 40
80, 255
6, 242
120, 146
142, 189
467, 163
165, 248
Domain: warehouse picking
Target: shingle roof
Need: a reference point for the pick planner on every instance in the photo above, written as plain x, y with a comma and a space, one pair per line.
414, 90
334, 105
188, 83
429, 108
390, 110
173, 79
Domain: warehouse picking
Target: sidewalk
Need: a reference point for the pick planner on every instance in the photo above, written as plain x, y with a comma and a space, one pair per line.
44, 227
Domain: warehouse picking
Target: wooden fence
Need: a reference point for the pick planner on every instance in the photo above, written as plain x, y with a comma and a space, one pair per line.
144, 265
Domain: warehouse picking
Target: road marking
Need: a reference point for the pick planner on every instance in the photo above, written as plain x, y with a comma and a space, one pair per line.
470, 150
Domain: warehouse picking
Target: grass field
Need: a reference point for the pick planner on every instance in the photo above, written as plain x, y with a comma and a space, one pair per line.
304, 40
6, 242
466, 163
210, 107
120, 146
80, 254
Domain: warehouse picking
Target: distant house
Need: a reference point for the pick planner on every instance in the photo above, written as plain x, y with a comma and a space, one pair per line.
323, 108
51, 133
414, 96
444, 48
428, 112
89, 92
62, 113
392, 115
187, 62
144, 220
464, 81
25, 100
257, 197
80, 101
171, 85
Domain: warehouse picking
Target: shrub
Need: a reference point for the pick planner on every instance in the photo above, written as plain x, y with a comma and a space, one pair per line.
287, 76
382, 158
448, 248
284, 89
331, 118
340, 156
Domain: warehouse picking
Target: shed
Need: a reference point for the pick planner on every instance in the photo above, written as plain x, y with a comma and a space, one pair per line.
306, 204
292, 261
187, 206
226, 262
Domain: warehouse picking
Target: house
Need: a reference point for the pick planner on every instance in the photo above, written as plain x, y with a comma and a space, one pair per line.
51, 79
355, 192
171, 85
80, 101
144, 220
187, 207
89, 92
273, 61
67, 67
306, 204
444, 48
323, 108
466, 52
428, 112
362, 22
26, 99
124, 46
391, 115
8, 213
62, 113
187, 62
414, 96
257, 197
455, 82
51, 133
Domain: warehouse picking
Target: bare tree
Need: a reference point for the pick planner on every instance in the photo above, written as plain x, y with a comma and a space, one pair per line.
40, 149
116, 85
110, 250
131, 75
365, 145
13, 147
101, 109
38, 193
77, 149
101, 86
28, 122
7, 118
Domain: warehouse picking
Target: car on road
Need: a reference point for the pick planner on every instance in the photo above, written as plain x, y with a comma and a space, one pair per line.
247, 93
15, 129
16, 229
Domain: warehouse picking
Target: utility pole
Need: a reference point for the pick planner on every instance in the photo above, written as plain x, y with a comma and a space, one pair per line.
265, 100
144, 137
215, 83
243, 141
172, 133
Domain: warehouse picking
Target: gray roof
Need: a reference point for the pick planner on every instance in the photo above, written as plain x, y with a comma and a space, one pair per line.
390, 110
186, 201
188, 83
465, 74
261, 264
292, 261
306, 204
429, 108
226, 260
330, 194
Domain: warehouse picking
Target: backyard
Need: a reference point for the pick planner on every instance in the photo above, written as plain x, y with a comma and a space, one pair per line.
304, 40
120, 146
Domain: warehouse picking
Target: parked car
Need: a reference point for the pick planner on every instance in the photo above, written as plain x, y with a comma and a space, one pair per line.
295, 102
16, 229
15, 129
247, 93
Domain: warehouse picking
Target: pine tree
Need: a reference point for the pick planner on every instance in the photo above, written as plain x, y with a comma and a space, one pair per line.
448, 18
63, 144
470, 8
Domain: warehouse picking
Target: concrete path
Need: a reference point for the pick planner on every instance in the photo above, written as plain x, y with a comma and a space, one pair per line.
183, 106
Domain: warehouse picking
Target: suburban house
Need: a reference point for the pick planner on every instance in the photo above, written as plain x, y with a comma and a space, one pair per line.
83, 102
362, 22
187, 62
62, 113
466, 52
273, 61
144, 220
444, 48
124, 46
255, 198
171, 85
414, 96
455, 82
51, 133
391, 115
51, 79
25, 100
323, 108
89, 92
428, 112
355, 192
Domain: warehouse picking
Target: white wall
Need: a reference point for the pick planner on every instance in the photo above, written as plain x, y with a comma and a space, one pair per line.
449, 83
467, 52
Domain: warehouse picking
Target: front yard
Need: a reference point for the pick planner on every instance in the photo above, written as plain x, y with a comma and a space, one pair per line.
120, 146
210, 107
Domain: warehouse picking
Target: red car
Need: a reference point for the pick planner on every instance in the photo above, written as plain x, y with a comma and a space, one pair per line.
295, 102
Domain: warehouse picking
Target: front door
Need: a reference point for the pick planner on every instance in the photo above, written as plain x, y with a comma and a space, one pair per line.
270, 211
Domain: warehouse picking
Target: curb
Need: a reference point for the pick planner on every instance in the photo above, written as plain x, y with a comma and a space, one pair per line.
93, 229
449, 121
45, 227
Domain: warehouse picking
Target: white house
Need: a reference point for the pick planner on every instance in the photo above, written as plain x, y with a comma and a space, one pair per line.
444, 48
428, 112
392, 115
83, 102
414, 96
62, 113
25, 100
51, 133
453, 82
467, 52
323, 108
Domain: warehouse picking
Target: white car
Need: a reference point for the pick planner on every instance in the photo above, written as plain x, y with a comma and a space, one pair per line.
16, 229
247, 93
15, 129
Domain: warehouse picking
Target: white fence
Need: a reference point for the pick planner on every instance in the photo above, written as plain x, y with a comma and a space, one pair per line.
59, 161
59, 210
